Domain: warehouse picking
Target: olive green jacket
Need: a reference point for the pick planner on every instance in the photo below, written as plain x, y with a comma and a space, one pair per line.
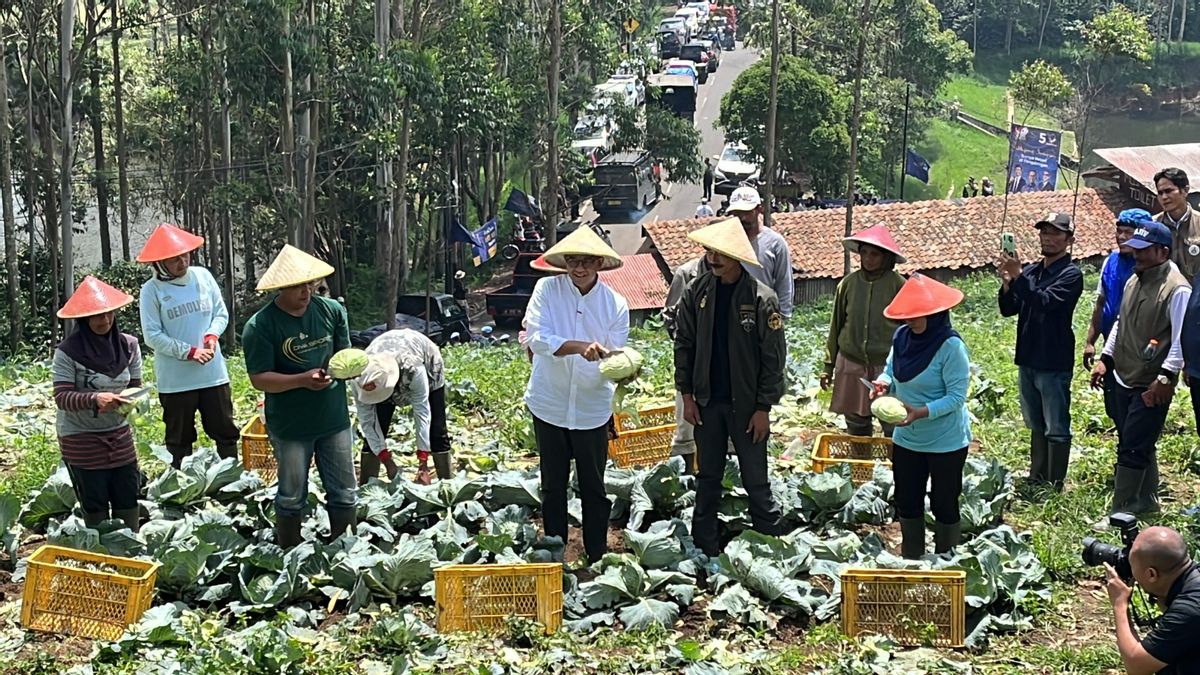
858, 329
758, 350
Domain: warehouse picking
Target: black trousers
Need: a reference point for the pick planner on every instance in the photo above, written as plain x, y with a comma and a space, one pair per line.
708, 189
1194, 387
911, 470
98, 489
439, 436
216, 415
589, 448
721, 424
1110, 399
1138, 428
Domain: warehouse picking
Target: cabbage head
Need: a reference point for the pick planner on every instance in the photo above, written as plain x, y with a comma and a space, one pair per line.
621, 364
348, 364
888, 409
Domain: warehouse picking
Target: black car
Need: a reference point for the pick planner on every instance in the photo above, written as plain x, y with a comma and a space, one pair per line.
668, 44
448, 321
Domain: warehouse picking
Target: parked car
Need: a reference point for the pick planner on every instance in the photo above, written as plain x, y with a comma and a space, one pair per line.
692, 16
635, 91
592, 136
714, 54
735, 165
680, 26
689, 68
701, 7
447, 318
668, 43
507, 305
697, 54
673, 93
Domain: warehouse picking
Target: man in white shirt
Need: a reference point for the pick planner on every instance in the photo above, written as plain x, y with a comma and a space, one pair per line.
704, 210
572, 321
774, 259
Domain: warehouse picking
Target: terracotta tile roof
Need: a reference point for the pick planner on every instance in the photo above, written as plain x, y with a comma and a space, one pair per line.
939, 234
640, 281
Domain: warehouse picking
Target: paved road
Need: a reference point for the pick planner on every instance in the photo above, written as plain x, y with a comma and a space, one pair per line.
685, 197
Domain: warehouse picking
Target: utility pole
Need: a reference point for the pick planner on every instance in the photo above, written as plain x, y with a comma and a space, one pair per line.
904, 154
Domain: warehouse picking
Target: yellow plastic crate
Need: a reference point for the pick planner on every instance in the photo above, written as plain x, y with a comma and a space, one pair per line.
62, 596
860, 452
482, 597
257, 454
914, 607
646, 440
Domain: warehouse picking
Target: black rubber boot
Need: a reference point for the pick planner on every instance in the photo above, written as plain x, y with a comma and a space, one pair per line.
1127, 488
1148, 495
689, 464
946, 537
287, 531
1039, 458
368, 467
227, 450
861, 427
1059, 458
912, 538
131, 517
340, 520
443, 465
178, 453
93, 518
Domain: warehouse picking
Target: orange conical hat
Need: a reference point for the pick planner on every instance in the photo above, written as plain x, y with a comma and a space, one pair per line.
541, 265
922, 296
877, 236
93, 297
168, 241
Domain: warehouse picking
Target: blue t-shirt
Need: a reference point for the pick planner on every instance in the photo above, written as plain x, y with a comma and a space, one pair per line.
942, 387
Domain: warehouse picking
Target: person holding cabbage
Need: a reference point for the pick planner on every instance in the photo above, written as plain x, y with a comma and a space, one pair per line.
403, 366
925, 382
573, 321
183, 313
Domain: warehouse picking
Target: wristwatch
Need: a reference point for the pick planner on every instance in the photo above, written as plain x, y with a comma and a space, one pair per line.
1163, 379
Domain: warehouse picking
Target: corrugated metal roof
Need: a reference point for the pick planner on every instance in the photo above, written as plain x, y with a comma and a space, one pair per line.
639, 281
945, 234
1141, 163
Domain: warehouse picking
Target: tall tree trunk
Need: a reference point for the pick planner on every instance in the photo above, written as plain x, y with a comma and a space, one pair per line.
119, 122
1183, 7
1045, 20
553, 79
287, 132
31, 181
15, 320
772, 107
97, 123
384, 227
67, 151
226, 217
310, 124
864, 26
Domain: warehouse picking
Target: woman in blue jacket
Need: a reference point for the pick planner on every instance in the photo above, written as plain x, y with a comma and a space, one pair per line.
928, 371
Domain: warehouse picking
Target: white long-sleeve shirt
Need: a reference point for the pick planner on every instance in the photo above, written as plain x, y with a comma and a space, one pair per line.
1177, 307
773, 254
568, 391
421, 371
176, 315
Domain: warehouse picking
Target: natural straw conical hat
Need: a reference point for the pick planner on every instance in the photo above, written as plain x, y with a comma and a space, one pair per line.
727, 238
877, 236
539, 263
93, 297
922, 296
582, 242
168, 241
293, 267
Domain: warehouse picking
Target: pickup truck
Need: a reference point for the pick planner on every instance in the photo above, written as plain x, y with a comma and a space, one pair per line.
507, 305
448, 319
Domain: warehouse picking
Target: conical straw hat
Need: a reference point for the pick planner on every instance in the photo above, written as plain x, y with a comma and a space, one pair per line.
877, 236
922, 296
93, 297
727, 238
293, 267
582, 242
541, 265
168, 241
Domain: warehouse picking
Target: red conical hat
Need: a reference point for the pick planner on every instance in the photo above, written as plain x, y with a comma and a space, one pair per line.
93, 297
877, 236
168, 241
922, 296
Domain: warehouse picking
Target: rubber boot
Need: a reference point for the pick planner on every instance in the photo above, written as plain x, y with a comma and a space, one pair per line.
946, 537
443, 465
131, 517
1148, 495
863, 428
227, 450
368, 467
178, 453
912, 538
1059, 458
287, 531
689, 464
93, 518
1127, 487
340, 520
1039, 458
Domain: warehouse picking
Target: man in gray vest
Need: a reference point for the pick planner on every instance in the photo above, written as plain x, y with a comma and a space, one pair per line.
1145, 354
1172, 187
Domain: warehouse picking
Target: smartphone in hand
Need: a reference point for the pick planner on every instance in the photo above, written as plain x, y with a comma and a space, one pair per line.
1008, 243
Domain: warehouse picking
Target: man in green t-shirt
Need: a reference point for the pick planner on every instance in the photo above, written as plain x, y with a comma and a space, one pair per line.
288, 344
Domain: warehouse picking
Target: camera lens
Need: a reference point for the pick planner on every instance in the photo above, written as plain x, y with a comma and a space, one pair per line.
1096, 552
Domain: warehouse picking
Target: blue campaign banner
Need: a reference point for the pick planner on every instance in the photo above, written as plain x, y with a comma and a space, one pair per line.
484, 242
1033, 159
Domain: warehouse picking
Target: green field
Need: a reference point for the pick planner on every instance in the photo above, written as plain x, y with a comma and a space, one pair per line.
955, 152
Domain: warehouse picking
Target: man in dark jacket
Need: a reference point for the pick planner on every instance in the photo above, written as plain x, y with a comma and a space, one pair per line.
684, 442
729, 362
1043, 296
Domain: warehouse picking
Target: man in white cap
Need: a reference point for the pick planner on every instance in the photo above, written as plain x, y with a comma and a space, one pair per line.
573, 320
405, 367
774, 266
704, 210
729, 361
288, 344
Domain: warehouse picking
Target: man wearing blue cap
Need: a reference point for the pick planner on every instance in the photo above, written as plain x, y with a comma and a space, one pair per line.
1115, 271
1145, 355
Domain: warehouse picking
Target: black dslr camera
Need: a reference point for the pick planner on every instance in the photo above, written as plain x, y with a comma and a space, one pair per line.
1096, 552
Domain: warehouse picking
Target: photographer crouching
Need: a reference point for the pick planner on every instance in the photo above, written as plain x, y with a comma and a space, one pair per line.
1158, 561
